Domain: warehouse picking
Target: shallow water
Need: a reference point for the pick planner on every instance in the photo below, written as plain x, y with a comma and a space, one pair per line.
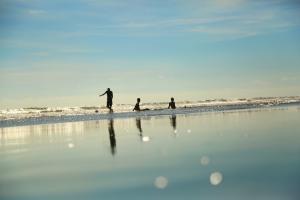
248, 154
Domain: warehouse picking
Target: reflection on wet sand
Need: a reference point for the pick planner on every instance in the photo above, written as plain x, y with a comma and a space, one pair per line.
46, 130
80, 162
139, 126
112, 137
173, 121
42, 133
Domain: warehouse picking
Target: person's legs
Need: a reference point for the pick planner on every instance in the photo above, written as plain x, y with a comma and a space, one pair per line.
109, 104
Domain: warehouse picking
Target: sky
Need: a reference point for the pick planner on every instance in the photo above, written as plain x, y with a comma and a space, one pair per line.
67, 52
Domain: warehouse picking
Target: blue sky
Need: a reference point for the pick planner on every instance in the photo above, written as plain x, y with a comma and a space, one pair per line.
63, 52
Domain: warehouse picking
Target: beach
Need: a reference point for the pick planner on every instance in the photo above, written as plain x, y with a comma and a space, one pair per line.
48, 115
235, 154
149, 100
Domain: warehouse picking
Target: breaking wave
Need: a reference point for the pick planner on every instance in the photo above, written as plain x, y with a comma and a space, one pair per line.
41, 115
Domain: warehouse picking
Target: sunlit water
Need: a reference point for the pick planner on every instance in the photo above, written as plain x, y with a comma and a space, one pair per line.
249, 154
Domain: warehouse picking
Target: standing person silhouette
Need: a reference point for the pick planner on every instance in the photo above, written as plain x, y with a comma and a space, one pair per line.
109, 95
172, 104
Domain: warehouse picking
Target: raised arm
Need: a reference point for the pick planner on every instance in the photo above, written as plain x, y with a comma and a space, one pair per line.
102, 94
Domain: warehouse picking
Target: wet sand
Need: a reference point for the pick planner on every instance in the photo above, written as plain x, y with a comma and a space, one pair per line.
244, 154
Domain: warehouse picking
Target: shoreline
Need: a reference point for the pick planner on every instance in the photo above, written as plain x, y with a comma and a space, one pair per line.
151, 113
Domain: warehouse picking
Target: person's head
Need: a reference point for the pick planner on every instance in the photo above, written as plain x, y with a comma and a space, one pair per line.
108, 89
138, 100
172, 99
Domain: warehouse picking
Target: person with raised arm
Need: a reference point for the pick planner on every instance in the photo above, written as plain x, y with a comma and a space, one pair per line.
109, 101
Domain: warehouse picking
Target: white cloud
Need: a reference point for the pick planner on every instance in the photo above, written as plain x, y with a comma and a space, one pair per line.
176, 22
259, 18
290, 78
227, 18
36, 12
40, 53
46, 48
261, 83
225, 33
228, 3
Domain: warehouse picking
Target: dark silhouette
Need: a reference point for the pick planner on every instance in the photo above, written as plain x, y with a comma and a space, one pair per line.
137, 106
173, 121
109, 95
112, 137
172, 104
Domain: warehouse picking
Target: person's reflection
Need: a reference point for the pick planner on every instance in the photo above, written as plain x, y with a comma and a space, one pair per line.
139, 127
112, 137
173, 121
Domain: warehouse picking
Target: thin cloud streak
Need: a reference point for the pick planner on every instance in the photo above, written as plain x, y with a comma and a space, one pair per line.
244, 20
36, 12
63, 47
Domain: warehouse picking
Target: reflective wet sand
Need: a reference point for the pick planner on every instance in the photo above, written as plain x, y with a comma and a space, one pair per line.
250, 154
